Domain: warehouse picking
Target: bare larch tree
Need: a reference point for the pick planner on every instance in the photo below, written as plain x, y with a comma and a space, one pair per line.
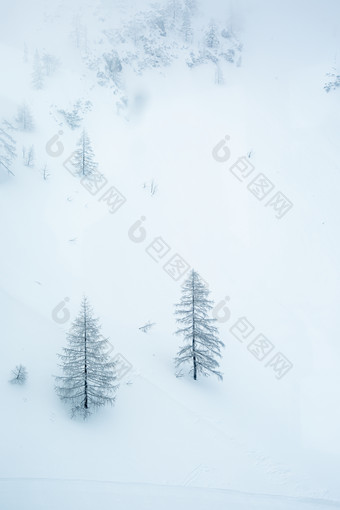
89, 373
202, 345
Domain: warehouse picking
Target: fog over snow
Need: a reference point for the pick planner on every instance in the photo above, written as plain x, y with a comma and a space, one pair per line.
158, 154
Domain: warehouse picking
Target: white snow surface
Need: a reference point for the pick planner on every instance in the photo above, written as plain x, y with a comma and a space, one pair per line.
252, 441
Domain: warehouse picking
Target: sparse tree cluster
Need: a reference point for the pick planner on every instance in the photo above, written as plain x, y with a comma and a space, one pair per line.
151, 40
89, 376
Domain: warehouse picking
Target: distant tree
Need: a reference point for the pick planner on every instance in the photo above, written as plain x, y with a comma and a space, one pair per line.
202, 345
45, 173
187, 31
19, 375
7, 147
24, 118
211, 36
77, 31
37, 75
83, 159
152, 187
28, 156
49, 64
79, 34
89, 379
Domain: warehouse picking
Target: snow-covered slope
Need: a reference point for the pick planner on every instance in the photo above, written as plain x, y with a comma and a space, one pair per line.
253, 441
79, 494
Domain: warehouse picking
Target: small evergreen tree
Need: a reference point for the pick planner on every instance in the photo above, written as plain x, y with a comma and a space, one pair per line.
89, 374
197, 328
83, 159
211, 36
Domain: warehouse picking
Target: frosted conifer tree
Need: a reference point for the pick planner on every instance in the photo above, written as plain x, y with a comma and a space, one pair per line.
83, 159
202, 345
7, 149
211, 36
89, 374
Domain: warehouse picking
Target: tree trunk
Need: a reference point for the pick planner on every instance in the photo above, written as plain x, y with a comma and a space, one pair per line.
193, 329
85, 364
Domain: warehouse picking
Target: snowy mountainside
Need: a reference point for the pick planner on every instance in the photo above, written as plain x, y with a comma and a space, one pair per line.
155, 120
